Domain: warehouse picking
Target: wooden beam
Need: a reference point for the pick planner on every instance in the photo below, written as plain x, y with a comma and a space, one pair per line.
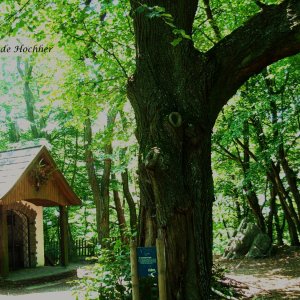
134, 271
161, 265
63, 223
4, 256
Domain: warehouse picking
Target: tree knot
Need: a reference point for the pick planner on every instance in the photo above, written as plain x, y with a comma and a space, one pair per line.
152, 158
175, 119
155, 160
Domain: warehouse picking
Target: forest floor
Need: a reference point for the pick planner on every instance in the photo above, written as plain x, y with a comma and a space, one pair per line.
57, 289
276, 277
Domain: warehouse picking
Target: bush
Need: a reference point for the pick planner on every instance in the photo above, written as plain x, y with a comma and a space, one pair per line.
109, 278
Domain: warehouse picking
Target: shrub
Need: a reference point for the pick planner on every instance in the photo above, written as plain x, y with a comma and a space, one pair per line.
109, 278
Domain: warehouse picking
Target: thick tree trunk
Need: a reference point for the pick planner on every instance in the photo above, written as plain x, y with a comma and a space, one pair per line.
182, 219
177, 93
176, 183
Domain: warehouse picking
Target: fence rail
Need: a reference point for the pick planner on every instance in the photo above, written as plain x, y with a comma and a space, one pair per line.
80, 248
85, 248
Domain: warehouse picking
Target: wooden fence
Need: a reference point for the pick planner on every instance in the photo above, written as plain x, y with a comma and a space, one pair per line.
52, 252
84, 248
80, 248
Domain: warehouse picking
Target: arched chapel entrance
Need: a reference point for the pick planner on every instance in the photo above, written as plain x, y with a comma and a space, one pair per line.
21, 236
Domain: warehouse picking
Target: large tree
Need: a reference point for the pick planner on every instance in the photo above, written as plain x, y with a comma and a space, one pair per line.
177, 93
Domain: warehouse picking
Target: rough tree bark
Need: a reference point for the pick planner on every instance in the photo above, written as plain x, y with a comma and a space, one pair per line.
177, 93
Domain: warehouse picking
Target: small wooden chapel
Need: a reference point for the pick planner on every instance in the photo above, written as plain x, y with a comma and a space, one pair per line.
29, 181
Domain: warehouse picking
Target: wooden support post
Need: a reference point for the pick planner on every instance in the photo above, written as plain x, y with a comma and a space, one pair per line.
134, 271
4, 256
161, 268
63, 223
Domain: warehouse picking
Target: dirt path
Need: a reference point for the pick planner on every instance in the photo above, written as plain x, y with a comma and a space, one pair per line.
59, 290
277, 277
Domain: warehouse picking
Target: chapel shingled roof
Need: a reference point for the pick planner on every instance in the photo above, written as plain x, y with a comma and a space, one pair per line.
16, 163
13, 163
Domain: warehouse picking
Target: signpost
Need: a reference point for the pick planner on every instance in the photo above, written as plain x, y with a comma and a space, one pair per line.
148, 267
147, 262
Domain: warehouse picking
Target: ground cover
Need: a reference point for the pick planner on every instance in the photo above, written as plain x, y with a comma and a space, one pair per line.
276, 277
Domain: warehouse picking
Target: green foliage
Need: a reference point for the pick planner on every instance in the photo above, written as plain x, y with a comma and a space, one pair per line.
254, 103
109, 278
160, 13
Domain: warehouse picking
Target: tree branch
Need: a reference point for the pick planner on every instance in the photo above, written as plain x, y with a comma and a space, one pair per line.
228, 153
15, 14
211, 20
19, 67
111, 53
247, 149
269, 36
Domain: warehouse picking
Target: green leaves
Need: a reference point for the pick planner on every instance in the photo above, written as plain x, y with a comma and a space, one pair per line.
153, 11
266, 104
110, 277
181, 35
176, 41
159, 12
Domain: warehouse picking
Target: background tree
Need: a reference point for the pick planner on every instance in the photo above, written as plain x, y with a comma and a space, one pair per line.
272, 118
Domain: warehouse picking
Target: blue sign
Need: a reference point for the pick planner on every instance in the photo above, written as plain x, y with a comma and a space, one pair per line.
147, 262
